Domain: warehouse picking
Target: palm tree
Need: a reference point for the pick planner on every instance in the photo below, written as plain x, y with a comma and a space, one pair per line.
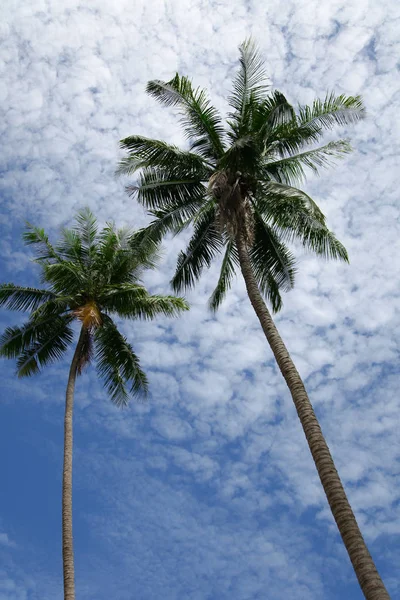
236, 186
91, 275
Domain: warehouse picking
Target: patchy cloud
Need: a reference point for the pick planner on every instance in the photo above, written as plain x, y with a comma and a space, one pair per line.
207, 490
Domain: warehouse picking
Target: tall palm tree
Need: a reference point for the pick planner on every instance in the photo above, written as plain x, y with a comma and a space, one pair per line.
91, 275
235, 186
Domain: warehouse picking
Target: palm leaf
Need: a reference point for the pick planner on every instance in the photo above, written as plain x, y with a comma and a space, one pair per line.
291, 168
249, 84
117, 364
146, 306
66, 278
86, 227
49, 341
70, 246
37, 236
298, 218
276, 201
158, 188
225, 277
287, 139
201, 121
86, 353
273, 264
16, 297
145, 152
173, 219
205, 243
334, 110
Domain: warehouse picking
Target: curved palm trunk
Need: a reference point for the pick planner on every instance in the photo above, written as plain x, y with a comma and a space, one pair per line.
67, 540
364, 567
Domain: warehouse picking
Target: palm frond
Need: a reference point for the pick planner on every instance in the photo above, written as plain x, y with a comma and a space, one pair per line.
201, 121
249, 83
173, 219
70, 246
274, 111
86, 353
205, 243
298, 218
145, 152
287, 139
158, 188
225, 277
86, 227
334, 110
49, 340
146, 306
66, 278
291, 168
37, 236
15, 340
145, 251
16, 297
273, 264
276, 201
134, 302
117, 364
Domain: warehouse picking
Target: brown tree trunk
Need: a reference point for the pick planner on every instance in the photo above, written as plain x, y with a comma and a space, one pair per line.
364, 567
67, 539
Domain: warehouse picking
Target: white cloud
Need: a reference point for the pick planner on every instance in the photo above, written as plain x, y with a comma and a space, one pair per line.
72, 84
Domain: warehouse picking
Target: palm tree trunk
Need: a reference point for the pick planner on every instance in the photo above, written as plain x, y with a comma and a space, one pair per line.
67, 539
364, 567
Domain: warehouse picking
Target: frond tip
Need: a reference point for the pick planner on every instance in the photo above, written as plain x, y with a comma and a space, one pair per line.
117, 364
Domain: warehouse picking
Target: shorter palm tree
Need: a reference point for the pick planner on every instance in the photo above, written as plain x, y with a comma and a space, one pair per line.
91, 275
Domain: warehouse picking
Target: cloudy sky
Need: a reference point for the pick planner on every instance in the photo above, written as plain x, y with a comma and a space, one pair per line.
208, 490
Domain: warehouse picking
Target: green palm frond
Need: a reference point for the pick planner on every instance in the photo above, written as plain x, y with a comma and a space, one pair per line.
86, 227
287, 139
145, 152
334, 110
291, 168
229, 262
145, 251
298, 218
37, 236
273, 112
117, 296
16, 297
50, 339
173, 219
277, 200
273, 264
145, 307
58, 305
201, 121
117, 364
204, 245
249, 85
15, 340
157, 188
70, 246
66, 278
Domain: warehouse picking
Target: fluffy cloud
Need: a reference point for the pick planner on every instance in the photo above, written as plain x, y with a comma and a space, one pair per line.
208, 490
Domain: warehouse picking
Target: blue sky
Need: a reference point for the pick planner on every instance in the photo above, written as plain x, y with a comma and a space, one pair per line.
207, 491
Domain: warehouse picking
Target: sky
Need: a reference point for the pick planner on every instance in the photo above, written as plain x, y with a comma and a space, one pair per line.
207, 491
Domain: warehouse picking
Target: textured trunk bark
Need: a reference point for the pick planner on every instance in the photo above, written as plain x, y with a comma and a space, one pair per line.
67, 539
364, 567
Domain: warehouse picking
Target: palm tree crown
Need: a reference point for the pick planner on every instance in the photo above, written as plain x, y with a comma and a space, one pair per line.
241, 175
90, 275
